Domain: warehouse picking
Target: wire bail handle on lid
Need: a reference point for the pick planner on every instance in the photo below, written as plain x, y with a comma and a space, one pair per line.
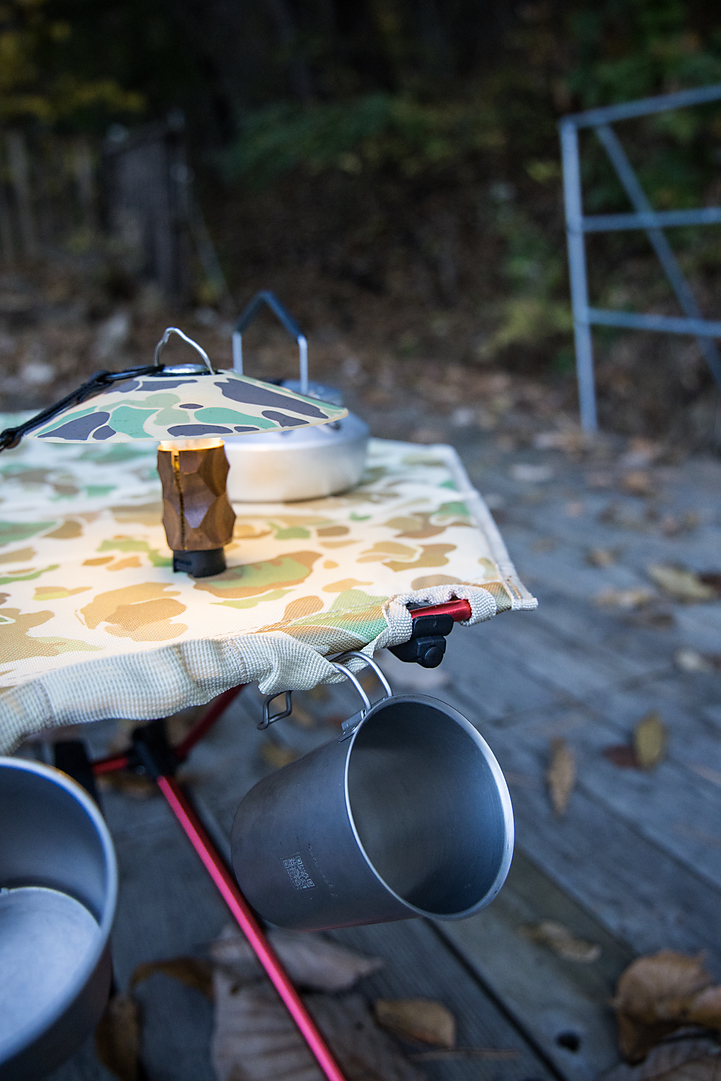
181, 334
246, 318
350, 725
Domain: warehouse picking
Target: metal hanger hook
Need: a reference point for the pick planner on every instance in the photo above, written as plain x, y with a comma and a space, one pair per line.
340, 667
198, 348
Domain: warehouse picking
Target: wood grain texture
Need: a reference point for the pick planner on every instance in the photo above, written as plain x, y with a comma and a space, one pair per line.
547, 995
196, 513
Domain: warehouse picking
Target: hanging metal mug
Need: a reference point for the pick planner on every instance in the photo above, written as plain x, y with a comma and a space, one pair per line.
406, 815
58, 888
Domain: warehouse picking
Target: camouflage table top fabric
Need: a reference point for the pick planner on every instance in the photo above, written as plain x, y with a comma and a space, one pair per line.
182, 407
94, 623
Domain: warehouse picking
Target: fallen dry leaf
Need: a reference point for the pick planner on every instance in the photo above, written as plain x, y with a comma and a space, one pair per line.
571, 441
656, 619
655, 995
690, 660
117, 1038
311, 960
561, 775
622, 755
706, 1008
678, 1060
418, 1018
601, 557
650, 737
562, 941
255, 1039
192, 971
682, 583
672, 526
276, 755
623, 598
641, 452
638, 482
652, 987
712, 579
530, 473
135, 785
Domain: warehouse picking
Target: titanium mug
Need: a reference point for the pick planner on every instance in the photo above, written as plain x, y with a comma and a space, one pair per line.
58, 888
407, 814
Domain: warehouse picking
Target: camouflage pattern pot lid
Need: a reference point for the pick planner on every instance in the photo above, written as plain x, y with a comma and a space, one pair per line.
185, 401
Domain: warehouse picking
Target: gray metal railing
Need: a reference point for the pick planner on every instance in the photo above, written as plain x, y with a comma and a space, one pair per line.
644, 217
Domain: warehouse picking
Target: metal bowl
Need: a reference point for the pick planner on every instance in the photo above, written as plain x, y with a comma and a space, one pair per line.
58, 889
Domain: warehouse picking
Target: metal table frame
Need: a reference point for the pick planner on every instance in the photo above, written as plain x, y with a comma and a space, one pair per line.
644, 217
152, 754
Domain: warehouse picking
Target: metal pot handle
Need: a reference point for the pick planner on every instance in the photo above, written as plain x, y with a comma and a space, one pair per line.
246, 318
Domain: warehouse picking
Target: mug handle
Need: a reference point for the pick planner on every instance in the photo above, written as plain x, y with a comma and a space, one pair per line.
352, 723
270, 718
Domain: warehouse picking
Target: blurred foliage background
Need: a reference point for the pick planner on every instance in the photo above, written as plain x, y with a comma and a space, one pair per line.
391, 167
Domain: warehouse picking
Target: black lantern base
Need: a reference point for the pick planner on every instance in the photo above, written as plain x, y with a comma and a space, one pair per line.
200, 564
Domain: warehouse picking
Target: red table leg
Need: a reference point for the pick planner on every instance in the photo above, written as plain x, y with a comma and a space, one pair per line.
221, 876
211, 715
248, 924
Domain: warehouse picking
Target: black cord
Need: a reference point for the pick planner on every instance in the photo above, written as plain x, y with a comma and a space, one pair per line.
97, 382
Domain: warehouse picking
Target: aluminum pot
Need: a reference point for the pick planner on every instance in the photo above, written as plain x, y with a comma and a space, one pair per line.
306, 463
58, 889
407, 814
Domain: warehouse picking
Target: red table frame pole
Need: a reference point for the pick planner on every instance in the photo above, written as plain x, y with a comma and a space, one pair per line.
214, 865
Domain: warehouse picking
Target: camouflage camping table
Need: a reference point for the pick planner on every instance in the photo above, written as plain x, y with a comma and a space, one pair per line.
94, 623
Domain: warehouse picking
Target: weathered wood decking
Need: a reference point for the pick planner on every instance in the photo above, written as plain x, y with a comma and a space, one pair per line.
635, 864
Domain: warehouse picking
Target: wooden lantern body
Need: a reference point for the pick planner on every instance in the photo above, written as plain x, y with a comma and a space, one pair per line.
196, 513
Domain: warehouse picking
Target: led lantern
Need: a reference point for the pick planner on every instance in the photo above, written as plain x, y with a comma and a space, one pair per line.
189, 409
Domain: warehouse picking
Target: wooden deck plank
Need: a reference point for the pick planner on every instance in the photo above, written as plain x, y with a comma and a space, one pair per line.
641, 893
571, 666
548, 995
575, 619
672, 806
418, 965
478, 662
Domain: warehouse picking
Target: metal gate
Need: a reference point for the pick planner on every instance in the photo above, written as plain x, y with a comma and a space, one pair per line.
644, 217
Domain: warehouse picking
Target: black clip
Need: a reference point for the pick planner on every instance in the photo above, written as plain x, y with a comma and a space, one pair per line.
427, 644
